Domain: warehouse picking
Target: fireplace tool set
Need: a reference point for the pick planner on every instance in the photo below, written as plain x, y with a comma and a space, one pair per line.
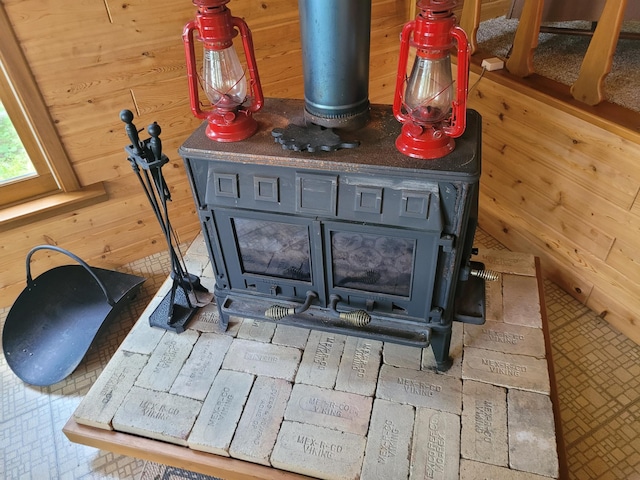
363, 224
186, 293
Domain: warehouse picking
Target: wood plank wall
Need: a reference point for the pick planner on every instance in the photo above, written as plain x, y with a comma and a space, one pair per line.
563, 183
92, 58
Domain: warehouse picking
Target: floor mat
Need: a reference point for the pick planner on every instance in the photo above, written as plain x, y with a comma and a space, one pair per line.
155, 471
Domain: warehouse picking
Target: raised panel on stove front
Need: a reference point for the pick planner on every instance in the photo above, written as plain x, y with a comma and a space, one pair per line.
316, 194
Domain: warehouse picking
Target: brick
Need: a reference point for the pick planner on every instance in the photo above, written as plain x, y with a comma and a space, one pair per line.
197, 374
208, 277
99, 405
221, 412
342, 411
455, 352
359, 366
260, 421
402, 356
257, 331
318, 452
388, 441
532, 437
494, 310
142, 338
166, 360
470, 470
195, 263
198, 246
321, 359
521, 301
484, 423
291, 336
507, 338
420, 389
157, 415
207, 320
260, 358
504, 261
435, 452
506, 370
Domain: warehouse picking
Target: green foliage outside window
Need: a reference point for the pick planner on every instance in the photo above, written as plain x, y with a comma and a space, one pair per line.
14, 160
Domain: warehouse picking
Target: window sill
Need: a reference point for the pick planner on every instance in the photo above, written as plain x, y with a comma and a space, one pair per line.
46, 207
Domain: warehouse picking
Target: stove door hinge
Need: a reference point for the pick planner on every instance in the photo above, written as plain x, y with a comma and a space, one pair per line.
435, 315
447, 242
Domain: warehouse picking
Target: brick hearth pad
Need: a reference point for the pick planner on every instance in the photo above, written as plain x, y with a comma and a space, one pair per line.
262, 399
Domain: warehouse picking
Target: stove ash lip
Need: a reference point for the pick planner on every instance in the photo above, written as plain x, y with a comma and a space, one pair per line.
384, 327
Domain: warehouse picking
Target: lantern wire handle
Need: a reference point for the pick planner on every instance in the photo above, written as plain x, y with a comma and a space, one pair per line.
475, 84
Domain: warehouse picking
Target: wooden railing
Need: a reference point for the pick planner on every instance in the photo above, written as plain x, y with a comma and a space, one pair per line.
597, 61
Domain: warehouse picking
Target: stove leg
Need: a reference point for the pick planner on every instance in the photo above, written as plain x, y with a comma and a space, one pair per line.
224, 317
440, 343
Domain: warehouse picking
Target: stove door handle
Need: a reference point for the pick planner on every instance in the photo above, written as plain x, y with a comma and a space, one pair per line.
358, 318
278, 312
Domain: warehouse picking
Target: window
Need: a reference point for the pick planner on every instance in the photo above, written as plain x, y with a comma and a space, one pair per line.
52, 183
15, 163
24, 172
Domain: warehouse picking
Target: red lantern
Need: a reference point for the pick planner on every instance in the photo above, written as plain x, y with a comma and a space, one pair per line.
224, 80
431, 118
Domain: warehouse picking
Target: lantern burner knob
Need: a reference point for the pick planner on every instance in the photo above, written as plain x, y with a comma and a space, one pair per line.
436, 8
210, 3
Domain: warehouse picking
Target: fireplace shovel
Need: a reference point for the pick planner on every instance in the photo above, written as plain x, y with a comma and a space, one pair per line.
56, 318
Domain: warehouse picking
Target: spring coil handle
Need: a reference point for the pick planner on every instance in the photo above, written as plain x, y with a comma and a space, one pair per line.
357, 318
486, 275
278, 312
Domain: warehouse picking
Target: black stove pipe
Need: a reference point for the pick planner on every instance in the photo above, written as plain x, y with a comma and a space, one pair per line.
335, 37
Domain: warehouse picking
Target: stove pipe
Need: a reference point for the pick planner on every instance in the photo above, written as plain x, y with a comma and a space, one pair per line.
335, 36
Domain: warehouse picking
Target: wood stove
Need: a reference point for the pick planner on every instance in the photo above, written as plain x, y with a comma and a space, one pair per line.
363, 241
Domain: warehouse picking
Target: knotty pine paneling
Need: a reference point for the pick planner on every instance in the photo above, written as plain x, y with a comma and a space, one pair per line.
623, 315
565, 188
598, 161
92, 58
98, 222
500, 168
142, 67
513, 230
624, 258
576, 199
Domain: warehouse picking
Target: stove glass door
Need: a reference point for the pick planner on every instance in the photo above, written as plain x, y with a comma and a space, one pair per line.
381, 269
372, 262
275, 249
268, 253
